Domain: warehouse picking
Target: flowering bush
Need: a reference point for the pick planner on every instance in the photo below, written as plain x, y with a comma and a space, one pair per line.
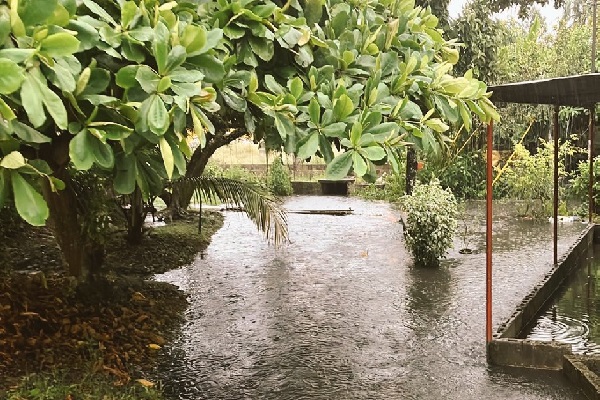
430, 223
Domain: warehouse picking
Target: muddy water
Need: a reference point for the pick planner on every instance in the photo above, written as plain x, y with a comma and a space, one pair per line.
340, 313
573, 317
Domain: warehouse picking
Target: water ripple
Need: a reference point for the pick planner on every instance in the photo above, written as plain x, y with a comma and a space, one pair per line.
341, 313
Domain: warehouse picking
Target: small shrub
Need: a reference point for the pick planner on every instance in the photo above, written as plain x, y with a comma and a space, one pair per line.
393, 189
279, 181
579, 186
431, 222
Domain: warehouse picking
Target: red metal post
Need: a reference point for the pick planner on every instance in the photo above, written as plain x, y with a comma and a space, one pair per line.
488, 235
555, 202
591, 129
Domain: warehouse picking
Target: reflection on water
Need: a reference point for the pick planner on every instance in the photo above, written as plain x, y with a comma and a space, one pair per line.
574, 316
341, 313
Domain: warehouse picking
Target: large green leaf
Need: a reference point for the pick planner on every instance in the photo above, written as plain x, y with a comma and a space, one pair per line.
210, 66
87, 35
147, 78
81, 150
343, 107
193, 38
284, 125
175, 58
339, 166
167, 156
314, 111
262, 47
186, 75
160, 46
128, 11
99, 11
325, 147
99, 80
13, 160
60, 44
158, 117
373, 153
359, 164
337, 129
112, 130
31, 98
126, 171
308, 146
126, 77
11, 76
55, 106
28, 134
29, 203
102, 153
33, 12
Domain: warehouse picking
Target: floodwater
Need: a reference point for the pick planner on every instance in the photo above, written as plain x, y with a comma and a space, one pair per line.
573, 316
341, 313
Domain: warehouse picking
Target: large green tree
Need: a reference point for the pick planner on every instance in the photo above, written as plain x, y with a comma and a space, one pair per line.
367, 77
111, 87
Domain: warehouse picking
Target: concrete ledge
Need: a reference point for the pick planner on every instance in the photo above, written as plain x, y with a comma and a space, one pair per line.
527, 353
581, 371
528, 310
306, 188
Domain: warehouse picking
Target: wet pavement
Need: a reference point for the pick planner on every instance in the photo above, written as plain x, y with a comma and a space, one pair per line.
341, 313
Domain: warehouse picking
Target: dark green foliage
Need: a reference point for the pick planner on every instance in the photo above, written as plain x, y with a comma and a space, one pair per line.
580, 184
464, 175
392, 190
481, 37
524, 5
279, 178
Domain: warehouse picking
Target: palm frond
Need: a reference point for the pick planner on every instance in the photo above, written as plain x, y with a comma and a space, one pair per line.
261, 207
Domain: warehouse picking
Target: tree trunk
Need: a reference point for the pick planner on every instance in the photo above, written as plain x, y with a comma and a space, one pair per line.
81, 255
411, 169
135, 217
182, 195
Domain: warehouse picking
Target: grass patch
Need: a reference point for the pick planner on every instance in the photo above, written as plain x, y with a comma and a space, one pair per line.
90, 386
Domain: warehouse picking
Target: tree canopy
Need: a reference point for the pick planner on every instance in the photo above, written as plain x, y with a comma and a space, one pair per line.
116, 87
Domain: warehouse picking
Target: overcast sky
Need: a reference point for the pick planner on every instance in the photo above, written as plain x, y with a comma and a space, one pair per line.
549, 12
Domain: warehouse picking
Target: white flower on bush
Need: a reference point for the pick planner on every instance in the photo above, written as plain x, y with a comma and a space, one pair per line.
430, 223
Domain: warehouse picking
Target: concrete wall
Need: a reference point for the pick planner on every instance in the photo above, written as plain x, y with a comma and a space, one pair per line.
581, 372
528, 353
507, 348
307, 188
528, 310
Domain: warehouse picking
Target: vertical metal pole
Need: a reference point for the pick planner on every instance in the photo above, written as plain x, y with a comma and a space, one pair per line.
555, 202
592, 122
488, 235
591, 129
594, 33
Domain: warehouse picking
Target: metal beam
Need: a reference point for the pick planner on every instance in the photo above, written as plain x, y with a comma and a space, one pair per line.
555, 202
488, 235
591, 130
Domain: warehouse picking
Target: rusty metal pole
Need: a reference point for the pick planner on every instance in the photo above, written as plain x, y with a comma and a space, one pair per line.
594, 33
592, 122
488, 235
591, 129
555, 202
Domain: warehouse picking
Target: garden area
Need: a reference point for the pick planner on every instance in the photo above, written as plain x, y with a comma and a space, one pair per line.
152, 243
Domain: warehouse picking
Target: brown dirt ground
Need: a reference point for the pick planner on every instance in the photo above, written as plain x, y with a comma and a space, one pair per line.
117, 323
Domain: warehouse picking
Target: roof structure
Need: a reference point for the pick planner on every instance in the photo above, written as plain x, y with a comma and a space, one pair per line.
576, 90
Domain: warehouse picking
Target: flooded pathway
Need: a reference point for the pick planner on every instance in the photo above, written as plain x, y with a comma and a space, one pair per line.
340, 313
